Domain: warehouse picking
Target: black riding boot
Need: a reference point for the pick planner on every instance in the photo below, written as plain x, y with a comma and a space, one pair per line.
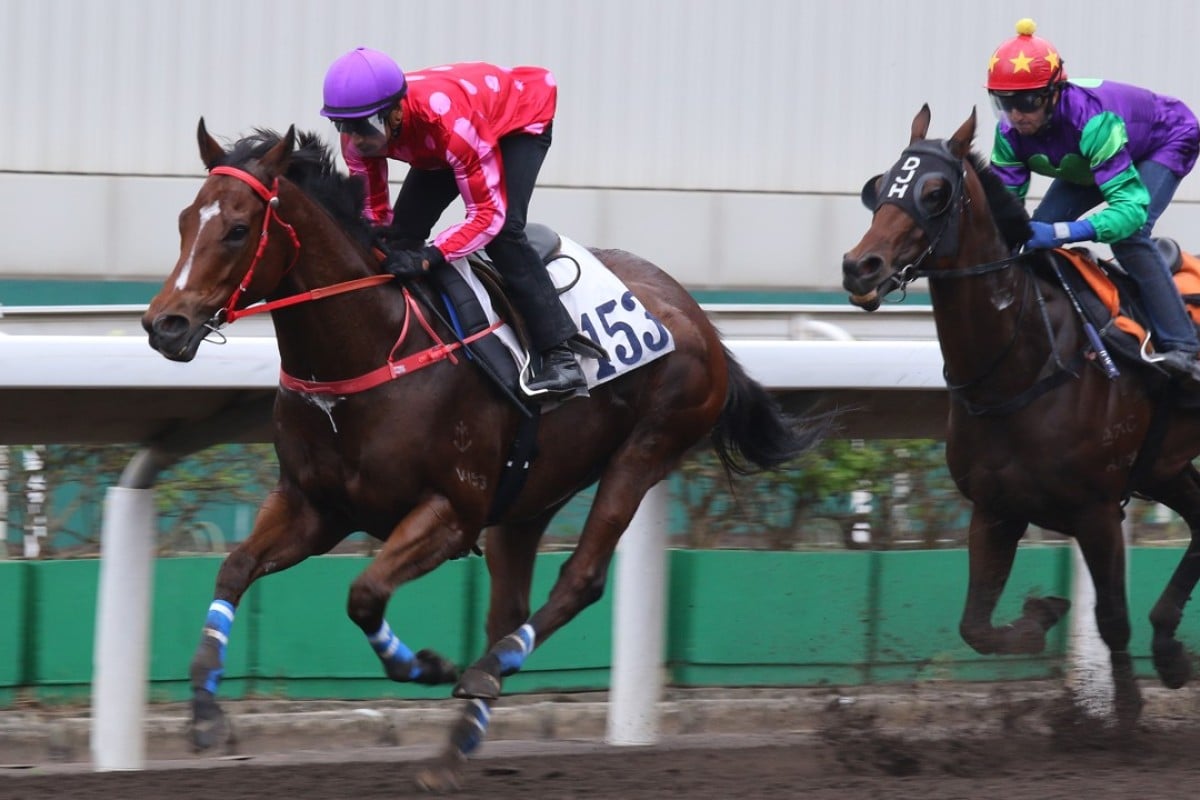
558, 374
1182, 365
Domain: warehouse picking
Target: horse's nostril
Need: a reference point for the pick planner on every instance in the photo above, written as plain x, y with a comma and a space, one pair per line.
871, 264
169, 325
863, 267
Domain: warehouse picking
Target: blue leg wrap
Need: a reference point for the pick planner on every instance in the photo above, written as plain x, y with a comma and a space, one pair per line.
473, 727
216, 627
515, 648
391, 650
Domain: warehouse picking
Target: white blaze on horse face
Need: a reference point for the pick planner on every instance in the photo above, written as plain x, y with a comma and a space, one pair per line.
900, 182
208, 212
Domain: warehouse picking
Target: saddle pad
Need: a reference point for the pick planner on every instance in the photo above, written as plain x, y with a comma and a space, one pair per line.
603, 309
1188, 281
608, 313
1105, 291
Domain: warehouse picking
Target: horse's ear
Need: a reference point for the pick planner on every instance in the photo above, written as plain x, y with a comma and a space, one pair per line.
276, 161
920, 125
211, 152
870, 192
960, 142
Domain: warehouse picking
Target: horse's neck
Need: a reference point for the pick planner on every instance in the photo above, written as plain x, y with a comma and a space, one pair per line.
985, 322
342, 335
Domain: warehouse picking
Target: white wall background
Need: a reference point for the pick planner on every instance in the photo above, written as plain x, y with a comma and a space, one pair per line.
726, 141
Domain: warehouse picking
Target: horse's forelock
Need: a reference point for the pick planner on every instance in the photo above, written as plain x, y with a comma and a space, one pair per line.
1007, 210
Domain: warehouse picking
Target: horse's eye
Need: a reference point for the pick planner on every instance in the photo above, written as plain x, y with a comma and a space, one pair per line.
935, 201
237, 234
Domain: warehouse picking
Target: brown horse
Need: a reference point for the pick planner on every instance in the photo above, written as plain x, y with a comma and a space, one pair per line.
414, 460
1037, 433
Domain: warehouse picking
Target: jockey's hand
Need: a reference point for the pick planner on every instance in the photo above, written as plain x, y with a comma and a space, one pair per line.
1055, 234
412, 263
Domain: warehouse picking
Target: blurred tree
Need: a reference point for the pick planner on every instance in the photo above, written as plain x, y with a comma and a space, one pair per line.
911, 495
78, 476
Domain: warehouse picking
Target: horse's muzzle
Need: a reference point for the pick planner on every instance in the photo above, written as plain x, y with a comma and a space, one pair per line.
861, 278
173, 336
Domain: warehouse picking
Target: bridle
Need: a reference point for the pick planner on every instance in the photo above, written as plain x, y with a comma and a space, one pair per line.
395, 365
270, 196
921, 162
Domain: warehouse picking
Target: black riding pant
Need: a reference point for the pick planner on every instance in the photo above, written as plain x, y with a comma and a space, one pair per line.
426, 194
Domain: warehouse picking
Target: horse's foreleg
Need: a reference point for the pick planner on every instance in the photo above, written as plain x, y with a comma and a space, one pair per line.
283, 535
1102, 543
1174, 667
425, 538
991, 547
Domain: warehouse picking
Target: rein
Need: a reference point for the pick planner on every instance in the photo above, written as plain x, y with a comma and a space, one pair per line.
271, 197
394, 367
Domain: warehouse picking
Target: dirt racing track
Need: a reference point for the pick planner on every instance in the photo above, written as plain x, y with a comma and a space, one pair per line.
929, 742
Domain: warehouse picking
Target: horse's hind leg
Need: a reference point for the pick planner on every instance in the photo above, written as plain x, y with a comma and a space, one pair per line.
285, 532
510, 553
1181, 494
581, 580
992, 546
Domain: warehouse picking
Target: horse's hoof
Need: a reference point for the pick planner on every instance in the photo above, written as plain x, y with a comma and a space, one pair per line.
1046, 611
1025, 636
442, 776
209, 726
476, 684
435, 669
1127, 707
1172, 664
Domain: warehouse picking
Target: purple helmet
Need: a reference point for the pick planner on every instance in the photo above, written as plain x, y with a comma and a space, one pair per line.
361, 83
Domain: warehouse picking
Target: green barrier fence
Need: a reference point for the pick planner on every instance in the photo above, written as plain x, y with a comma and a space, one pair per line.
735, 618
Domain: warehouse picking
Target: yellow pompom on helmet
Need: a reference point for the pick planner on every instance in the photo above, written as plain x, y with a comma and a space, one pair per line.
1025, 62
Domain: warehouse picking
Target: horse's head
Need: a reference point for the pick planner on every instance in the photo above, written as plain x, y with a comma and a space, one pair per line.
228, 254
918, 208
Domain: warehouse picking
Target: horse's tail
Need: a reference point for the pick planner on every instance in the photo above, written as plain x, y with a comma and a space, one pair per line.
753, 433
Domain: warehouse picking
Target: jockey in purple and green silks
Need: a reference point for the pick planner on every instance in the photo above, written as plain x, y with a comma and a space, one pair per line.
1102, 143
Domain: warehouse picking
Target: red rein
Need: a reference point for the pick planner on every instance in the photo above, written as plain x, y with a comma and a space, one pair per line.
394, 367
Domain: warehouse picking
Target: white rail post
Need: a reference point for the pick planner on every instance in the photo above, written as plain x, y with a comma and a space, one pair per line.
120, 660
639, 622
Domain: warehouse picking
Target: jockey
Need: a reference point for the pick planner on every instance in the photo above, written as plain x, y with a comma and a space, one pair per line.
473, 130
1100, 142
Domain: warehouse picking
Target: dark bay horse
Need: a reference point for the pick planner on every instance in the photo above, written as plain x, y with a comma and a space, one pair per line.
415, 461
1037, 432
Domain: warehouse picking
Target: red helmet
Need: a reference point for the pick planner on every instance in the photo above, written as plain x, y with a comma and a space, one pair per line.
1025, 63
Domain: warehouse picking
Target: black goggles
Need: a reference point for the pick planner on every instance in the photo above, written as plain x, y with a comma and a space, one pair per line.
1024, 102
362, 126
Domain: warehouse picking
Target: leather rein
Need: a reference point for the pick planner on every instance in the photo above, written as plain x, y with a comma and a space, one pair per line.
393, 368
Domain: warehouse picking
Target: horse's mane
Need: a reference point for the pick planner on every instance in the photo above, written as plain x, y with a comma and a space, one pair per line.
1007, 210
313, 169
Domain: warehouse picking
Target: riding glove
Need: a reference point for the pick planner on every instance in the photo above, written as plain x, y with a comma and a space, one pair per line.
1056, 234
411, 263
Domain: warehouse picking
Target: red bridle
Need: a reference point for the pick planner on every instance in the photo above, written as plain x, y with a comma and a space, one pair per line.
271, 198
394, 368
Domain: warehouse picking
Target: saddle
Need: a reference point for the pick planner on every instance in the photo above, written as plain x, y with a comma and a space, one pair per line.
548, 245
1109, 297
